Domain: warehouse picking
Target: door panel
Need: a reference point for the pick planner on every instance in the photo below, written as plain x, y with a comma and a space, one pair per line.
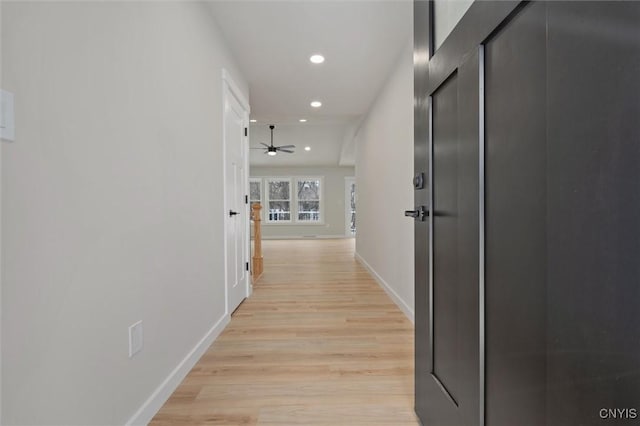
470, 324
452, 392
516, 219
445, 237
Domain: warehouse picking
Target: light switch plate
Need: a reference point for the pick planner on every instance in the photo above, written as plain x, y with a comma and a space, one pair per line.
7, 118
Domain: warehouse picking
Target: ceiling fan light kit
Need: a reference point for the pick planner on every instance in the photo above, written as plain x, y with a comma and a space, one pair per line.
272, 150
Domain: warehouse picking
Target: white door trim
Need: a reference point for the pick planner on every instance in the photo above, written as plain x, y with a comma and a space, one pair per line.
231, 88
235, 90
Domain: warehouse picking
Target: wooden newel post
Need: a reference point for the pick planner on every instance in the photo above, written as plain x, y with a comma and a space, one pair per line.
257, 237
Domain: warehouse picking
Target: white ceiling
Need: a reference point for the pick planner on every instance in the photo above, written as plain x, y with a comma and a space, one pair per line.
324, 140
273, 40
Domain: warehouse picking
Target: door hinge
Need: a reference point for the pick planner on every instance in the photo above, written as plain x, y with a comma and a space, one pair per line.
246, 265
246, 132
246, 199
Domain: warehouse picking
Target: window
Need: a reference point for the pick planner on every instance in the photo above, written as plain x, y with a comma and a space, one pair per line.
350, 205
255, 192
278, 199
288, 200
308, 198
352, 209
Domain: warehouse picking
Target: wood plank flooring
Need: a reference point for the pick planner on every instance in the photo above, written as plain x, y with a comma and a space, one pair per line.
318, 343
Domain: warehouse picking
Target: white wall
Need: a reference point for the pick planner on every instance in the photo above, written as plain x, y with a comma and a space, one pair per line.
384, 172
446, 15
334, 197
112, 202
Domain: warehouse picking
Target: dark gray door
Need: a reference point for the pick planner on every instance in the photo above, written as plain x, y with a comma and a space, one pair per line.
449, 292
527, 271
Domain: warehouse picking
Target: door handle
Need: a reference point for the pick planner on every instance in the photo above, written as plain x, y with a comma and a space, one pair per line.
232, 213
412, 213
422, 213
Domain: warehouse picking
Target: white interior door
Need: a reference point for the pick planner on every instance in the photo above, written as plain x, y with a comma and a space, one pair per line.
236, 217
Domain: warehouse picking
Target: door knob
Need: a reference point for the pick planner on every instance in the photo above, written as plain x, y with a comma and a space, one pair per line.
232, 213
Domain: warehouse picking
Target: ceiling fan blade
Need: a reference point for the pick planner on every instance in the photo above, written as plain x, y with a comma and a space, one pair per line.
257, 147
287, 146
262, 143
285, 150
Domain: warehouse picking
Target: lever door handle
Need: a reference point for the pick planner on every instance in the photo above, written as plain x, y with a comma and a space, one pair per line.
412, 213
232, 213
422, 213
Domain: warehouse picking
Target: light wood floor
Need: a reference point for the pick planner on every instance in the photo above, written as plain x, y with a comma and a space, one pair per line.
318, 342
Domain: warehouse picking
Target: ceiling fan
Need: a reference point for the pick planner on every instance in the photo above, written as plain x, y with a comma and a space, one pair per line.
273, 150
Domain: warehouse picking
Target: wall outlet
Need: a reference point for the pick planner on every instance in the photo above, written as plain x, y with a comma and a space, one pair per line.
135, 338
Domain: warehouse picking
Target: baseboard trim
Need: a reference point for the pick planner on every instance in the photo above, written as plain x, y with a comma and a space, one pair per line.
304, 237
157, 399
404, 307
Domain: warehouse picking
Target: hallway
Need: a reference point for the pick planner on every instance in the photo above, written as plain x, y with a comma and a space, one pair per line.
318, 342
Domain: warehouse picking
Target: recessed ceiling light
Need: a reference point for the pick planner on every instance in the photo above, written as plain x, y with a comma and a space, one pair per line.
253, 121
317, 59
303, 120
316, 104
307, 148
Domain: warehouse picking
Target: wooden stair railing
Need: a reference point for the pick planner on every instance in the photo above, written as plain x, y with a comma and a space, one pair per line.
257, 261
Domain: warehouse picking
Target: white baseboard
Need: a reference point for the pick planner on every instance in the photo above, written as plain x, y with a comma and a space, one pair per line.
304, 237
404, 307
157, 399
